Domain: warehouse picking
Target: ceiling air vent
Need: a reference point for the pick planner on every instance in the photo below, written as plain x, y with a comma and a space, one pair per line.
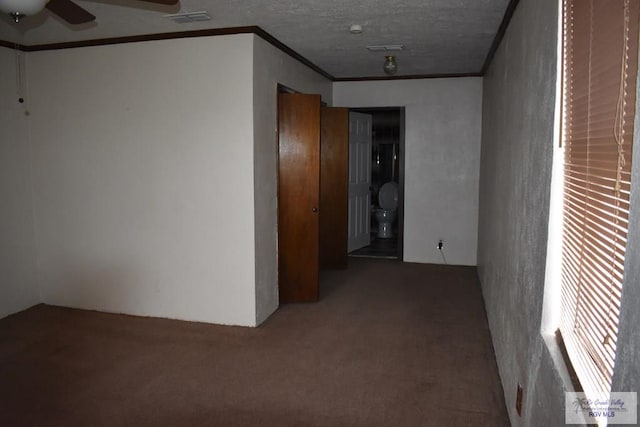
183, 18
386, 48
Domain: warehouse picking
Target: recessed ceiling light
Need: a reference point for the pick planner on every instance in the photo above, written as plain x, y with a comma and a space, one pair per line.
183, 18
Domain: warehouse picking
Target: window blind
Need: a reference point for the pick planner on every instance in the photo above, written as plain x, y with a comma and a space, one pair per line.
599, 69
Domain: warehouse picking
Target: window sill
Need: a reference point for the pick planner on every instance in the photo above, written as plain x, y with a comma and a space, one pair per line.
559, 363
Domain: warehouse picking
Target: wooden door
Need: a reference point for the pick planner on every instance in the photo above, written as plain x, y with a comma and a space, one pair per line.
334, 187
360, 139
298, 196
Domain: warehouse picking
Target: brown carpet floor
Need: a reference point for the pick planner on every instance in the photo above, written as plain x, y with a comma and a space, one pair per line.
389, 344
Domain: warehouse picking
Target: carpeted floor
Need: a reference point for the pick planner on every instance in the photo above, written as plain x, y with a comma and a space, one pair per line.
389, 344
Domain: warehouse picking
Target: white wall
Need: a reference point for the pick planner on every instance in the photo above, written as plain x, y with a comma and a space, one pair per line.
143, 160
270, 67
442, 160
18, 286
517, 153
626, 375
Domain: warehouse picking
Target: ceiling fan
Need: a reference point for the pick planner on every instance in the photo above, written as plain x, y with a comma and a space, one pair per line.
65, 9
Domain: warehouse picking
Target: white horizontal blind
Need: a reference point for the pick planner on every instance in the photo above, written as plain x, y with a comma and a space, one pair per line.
599, 73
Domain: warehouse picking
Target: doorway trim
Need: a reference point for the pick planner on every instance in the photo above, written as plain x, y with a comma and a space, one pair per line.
401, 178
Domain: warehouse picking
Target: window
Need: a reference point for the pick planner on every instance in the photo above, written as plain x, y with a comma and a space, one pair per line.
599, 70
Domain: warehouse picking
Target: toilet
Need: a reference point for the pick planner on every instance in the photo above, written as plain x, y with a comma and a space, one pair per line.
386, 213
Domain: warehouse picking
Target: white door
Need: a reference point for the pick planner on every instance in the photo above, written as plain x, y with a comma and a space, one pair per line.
359, 180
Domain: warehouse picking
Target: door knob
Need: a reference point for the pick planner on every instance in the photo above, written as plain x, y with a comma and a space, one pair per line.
314, 209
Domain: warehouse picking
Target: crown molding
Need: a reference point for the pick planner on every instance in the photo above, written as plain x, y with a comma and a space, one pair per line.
271, 40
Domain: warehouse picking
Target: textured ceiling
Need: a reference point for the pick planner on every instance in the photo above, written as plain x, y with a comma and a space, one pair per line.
440, 36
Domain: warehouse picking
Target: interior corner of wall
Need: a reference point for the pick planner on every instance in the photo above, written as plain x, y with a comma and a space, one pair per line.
37, 276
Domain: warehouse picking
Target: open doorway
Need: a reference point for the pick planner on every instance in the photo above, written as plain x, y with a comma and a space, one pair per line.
387, 166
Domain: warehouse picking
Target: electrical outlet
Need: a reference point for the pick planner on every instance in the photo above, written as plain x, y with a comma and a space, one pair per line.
519, 400
440, 244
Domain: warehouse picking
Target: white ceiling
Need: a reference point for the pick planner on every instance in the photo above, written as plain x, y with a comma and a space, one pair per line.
440, 36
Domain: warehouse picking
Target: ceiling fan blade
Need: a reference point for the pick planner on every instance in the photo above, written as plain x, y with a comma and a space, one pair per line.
70, 12
161, 1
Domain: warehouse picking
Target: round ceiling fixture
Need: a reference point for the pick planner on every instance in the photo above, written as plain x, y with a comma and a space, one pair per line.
355, 29
390, 66
19, 8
